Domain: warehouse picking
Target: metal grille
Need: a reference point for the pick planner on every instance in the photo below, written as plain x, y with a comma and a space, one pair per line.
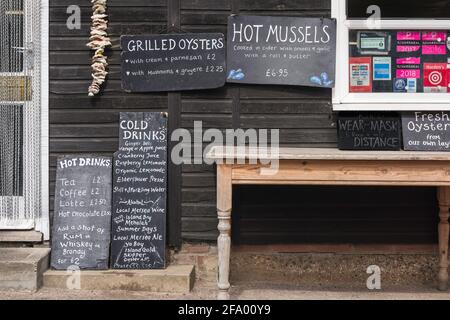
11, 150
12, 27
20, 112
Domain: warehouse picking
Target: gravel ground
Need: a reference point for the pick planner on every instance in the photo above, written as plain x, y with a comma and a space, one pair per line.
242, 292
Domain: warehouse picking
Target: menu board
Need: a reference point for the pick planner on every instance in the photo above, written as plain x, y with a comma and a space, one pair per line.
426, 131
82, 217
139, 193
173, 62
281, 50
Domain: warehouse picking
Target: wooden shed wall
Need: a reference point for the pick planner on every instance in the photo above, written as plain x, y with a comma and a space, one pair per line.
80, 125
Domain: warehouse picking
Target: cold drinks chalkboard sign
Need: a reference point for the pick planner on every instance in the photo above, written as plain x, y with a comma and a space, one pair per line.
139, 193
426, 131
82, 218
173, 62
281, 50
369, 131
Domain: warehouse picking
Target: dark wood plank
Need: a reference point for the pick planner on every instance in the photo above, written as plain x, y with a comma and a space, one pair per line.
174, 174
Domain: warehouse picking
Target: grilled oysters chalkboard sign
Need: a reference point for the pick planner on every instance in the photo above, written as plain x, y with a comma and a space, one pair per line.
426, 131
173, 62
82, 218
139, 193
281, 50
369, 131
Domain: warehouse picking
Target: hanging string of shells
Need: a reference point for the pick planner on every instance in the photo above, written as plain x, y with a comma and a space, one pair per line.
99, 40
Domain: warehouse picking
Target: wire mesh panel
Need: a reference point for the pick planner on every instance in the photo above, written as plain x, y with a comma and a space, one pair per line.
20, 112
11, 150
12, 16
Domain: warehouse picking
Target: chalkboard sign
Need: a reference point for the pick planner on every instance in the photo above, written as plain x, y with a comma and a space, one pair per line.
369, 131
82, 218
139, 193
173, 62
426, 131
281, 50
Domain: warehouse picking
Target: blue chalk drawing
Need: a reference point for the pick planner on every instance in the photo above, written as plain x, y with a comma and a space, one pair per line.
323, 80
236, 75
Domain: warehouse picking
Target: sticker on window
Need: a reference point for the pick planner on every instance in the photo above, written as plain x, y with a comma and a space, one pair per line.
382, 68
376, 43
435, 77
361, 74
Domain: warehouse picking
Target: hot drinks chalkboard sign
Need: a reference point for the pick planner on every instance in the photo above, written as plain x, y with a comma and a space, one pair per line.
369, 131
426, 131
173, 62
139, 193
281, 50
82, 218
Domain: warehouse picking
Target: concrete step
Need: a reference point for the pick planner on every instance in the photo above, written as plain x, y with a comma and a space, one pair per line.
20, 237
21, 269
174, 279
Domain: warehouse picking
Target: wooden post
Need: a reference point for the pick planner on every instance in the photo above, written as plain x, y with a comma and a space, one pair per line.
444, 213
224, 204
174, 123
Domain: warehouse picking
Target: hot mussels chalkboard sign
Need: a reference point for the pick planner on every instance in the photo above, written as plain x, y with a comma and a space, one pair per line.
82, 218
173, 62
281, 50
426, 131
139, 193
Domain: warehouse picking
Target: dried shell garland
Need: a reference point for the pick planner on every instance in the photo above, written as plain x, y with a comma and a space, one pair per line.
99, 40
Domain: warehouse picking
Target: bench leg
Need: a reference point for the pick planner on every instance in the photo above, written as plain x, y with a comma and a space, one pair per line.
224, 204
444, 213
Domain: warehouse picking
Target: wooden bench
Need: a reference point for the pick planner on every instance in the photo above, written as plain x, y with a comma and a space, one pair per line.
327, 167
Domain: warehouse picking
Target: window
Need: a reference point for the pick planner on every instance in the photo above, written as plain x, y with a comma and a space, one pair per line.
14, 89
398, 62
400, 9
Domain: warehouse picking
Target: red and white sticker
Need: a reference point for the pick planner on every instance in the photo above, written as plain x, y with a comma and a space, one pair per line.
408, 68
409, 36
435, 77
361, 74
434, 49
409, 41
438, 36
408, 73
408, 60
434, 43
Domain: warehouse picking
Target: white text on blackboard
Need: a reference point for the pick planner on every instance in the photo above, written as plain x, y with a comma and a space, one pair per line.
280, 34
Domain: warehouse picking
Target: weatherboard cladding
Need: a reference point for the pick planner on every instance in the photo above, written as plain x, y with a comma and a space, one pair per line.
79, 124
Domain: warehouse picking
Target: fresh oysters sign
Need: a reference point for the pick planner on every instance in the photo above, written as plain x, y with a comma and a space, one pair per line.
281, 50
426, 131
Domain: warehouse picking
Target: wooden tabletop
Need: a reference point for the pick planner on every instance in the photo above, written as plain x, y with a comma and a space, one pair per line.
220, 153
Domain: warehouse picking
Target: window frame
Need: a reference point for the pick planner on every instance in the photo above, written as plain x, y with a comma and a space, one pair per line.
344, 100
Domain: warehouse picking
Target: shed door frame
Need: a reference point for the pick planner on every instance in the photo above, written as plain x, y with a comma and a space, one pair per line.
32, 205
43, 223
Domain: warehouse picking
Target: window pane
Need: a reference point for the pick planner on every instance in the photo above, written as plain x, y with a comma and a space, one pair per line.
11, 150
427, 9
11, 35
400, 61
